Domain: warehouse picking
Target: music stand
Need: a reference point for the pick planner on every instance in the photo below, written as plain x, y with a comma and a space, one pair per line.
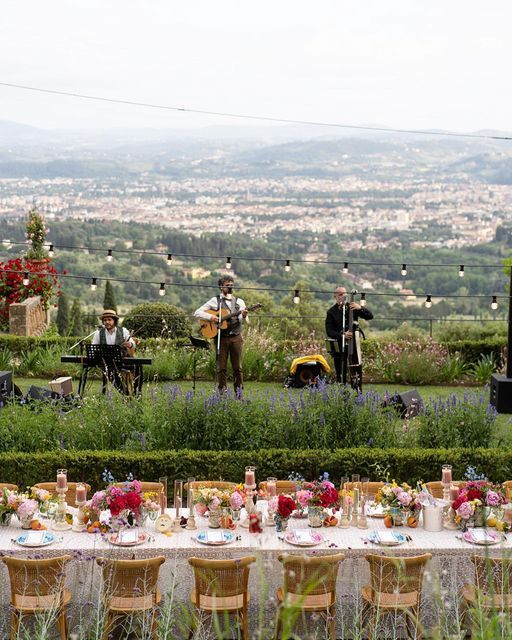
196, 343
109, 359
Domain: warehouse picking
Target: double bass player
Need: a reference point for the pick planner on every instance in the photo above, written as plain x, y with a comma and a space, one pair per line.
341, 326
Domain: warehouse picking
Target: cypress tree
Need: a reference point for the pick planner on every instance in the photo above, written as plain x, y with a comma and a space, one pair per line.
76, 326
109, 301
63, 315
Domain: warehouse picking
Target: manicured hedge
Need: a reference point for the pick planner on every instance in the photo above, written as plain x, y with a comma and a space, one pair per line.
408, 465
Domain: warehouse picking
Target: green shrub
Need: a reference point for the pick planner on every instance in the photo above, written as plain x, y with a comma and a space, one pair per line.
157, 319
410, 465
484, 368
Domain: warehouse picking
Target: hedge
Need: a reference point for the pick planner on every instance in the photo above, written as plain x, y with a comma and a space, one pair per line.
409, 465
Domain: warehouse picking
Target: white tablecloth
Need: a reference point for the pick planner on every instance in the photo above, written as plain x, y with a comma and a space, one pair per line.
448, 571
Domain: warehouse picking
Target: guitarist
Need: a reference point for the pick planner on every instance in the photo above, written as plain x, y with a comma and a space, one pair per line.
111, 334
230, 338
337, 327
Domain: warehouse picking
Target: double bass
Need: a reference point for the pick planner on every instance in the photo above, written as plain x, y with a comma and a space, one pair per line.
354, 360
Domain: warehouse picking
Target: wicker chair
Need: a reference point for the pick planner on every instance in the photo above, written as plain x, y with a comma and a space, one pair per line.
507, 488
147, 487
130, 587
395, 588
7, 485
37, 587
213, 484
70, 494
373, 487
436, 487
309, 585
282, 486
220, 586
492, 591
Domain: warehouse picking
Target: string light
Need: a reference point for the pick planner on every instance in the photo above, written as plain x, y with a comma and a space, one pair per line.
110, 257
287, 266
296, 297
51, 253
362, 301
26, 281
94, 284
404, 270
461, 271
494, 303
428, 302
161, 292
345, 267
228, 263
169, 259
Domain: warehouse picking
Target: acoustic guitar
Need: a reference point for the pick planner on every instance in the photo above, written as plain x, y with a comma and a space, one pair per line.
210, 328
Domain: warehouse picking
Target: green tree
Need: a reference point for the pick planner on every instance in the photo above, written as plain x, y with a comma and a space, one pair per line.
63, 315
76, 326
109, 300
157, 319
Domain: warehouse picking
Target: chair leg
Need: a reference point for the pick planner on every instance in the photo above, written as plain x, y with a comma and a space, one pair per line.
278, 623
15, 624
245, 624
61, 625
331, 612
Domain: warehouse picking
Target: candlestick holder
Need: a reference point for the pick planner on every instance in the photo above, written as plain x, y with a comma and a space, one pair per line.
191, 520
448, 513
60, 524
250, 507
79, 524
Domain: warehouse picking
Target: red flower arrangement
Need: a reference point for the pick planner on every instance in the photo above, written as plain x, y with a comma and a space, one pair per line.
43, 281
285, 506
127, 497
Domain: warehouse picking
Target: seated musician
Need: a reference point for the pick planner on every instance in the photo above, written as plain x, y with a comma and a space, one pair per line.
337, 327
230, 338
111, 334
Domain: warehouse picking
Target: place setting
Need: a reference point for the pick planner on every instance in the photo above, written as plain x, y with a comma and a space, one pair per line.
41, 538
303, 538
388, 538
215, 537
129, 537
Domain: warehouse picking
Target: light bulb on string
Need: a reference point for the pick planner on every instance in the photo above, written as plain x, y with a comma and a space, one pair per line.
228, 263
110, 257
428, 302
494, 303
296, 297
161, 291
345, 267
51, 252
403, 271
94, 284
287, 266
169, 259
26, 281
362, 301
461, 271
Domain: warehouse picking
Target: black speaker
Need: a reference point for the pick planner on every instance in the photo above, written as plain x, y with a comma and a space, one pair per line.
5, 383
40, 394
501, 393
408, 403
307, 374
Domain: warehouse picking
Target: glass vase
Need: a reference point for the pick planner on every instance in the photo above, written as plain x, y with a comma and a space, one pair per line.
5, 518
214, 518
315, 516
397, 517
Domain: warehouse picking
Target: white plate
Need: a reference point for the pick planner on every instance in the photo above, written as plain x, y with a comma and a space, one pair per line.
300, 538
491, 537
114, 539
24, 539
387, 538
209, 537
375, 510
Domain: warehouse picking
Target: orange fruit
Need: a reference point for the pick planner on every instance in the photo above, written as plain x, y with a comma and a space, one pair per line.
412, 522
35, 525
388, 522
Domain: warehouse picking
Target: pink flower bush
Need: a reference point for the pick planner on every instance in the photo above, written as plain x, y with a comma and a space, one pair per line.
466, 510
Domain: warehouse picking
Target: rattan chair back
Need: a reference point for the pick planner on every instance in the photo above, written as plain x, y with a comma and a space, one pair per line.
70, 493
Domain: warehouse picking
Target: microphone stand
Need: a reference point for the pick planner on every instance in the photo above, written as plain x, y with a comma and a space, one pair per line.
82, 340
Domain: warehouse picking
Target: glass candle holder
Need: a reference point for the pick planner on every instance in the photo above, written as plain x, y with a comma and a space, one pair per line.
446, 474
190, 496
271, 487
162, 498
62, 479
250, 476
178, 496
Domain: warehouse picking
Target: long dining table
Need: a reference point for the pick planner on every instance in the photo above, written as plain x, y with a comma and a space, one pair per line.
449, 569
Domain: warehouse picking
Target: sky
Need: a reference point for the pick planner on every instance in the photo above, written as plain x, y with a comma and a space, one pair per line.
401, 63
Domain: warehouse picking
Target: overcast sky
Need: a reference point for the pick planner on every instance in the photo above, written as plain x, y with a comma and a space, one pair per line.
400, 63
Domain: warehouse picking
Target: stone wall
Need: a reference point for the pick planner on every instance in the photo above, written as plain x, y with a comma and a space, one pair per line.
28, 318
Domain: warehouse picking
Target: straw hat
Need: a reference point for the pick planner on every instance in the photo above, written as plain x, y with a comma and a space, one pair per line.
109, 313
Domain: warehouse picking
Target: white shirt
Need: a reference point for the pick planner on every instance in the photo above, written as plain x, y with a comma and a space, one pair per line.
111, 337
213, 304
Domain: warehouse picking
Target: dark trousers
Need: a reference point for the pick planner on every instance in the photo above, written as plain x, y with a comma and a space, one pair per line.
345, 373
230, 346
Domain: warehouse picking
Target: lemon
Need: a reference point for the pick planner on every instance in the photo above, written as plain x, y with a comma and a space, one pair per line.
491, 522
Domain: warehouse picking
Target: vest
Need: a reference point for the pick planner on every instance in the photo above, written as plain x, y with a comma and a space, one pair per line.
234, 327
119, 336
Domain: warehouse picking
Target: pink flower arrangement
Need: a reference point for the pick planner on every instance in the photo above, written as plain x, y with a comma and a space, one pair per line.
26, 508
321, 493
127, 497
